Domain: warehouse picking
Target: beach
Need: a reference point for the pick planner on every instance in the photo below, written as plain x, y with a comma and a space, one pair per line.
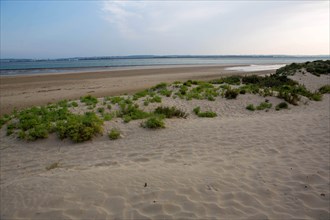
26, 91
242, 164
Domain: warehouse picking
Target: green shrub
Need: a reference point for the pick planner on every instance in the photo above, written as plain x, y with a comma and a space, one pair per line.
197, 110
74, 104
141, 94
114, 134
153, 123
131, 112
264, 105
159, 86
232, 80
4, 119
156, 99
170, 112
325, 89
207, 114
183, 90
282, 105
242, 91
100, 110
79, 128
250, 107
316, 96
89, 100
231, 94
107, 116
165, 92
117, 99
253, 79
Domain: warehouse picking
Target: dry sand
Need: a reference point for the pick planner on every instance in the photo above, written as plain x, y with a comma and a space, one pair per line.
24, 91
239, 165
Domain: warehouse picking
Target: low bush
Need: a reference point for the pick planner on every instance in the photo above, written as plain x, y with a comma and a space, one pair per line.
79, 128
100, 110
250, 107
107, 116
153, 123
170, 112
159, 86
114, 134
131, 112
89, 100
264, 105
141, 94
282, 105
207, 114
197, 110
74, 104
231, 93
325, 89
156, 98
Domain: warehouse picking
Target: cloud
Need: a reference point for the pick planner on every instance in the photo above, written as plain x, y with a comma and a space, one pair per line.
153, 17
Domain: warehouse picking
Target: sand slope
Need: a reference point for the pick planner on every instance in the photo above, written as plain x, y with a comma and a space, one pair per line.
240, 165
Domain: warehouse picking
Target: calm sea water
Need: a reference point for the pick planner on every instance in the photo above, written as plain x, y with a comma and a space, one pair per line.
23, 67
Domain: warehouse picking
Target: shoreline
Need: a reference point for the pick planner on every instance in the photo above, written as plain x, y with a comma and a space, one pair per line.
18, 92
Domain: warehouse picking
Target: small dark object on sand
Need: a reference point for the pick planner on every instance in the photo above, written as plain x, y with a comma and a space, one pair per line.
322, 194
145, 184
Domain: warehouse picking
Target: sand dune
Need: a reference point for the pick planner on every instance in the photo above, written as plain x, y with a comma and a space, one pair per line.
239, 165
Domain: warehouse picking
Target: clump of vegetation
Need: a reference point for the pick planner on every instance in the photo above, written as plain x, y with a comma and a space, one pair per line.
160, 86
4, 119
282, 105
131, 112
89, 100
231, 93
156, 98
250, 107
264, 105
206, 114
170, 112
317, 68
197, 110
100, 110
79, 128
325, 89
141, 94
107, 116
154, 122
114, 134
231, 80
74, 104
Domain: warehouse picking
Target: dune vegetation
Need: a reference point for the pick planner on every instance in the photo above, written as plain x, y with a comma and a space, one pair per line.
63, 119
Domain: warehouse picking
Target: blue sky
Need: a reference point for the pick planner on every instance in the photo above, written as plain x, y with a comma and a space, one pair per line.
54, 29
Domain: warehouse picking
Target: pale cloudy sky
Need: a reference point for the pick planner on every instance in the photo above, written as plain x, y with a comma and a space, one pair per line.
51, 29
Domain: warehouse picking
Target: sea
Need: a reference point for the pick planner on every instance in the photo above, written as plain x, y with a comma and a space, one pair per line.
12, 67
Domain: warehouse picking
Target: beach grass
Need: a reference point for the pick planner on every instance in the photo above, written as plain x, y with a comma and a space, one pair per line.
60, 118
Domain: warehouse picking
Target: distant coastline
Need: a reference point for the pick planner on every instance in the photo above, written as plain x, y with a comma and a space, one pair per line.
10, 67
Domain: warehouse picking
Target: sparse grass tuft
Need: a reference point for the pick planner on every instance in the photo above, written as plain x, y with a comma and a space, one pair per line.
114, 134
325, 89
153, 123
282, 105
170, 112
250, 107
264, 105
231, 93
89, 100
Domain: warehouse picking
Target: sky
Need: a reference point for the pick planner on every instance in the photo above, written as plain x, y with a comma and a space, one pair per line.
59, 29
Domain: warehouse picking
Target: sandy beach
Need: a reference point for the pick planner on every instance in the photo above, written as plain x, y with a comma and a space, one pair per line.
240, 165
25, 91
